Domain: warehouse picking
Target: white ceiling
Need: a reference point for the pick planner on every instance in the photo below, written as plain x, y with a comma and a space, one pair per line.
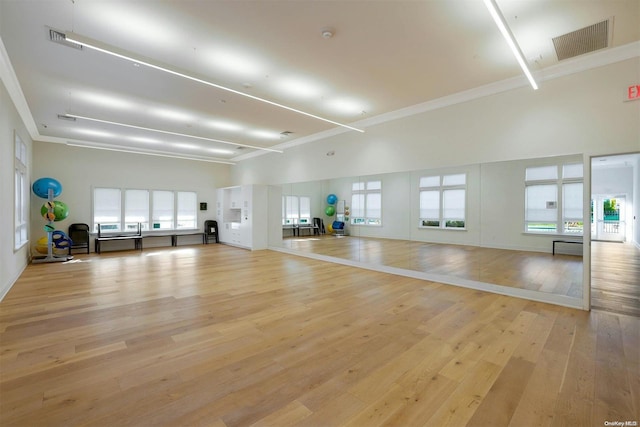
383, 56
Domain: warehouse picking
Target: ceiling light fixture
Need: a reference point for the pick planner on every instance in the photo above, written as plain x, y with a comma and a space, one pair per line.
100, 47
166, 132
146, 153
511, 41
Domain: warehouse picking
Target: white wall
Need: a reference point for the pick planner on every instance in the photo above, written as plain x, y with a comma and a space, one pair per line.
12, 262
81, 169
581, 113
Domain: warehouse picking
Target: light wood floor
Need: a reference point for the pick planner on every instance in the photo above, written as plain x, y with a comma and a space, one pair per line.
218, 336
615, 277
536, 271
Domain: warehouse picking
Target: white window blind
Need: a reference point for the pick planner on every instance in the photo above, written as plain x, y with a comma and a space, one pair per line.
305, 208
453, 209
430, 207
107, 209
136, 209
553, 203
366, 203
357, 205
187, 210
572, 208
163, 210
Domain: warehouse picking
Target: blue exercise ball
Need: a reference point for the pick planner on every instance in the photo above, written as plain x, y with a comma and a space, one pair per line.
42, 186
332, 199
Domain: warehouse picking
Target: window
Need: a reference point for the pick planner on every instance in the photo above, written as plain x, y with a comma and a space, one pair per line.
187, 210
305, 209
162, 212
443, 201
366, 203
296, 210
553, 199
107, 211
21, 194
118, 209
136, 209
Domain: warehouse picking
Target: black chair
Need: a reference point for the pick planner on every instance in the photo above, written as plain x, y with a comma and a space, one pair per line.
79, 235
318, 226
211, 231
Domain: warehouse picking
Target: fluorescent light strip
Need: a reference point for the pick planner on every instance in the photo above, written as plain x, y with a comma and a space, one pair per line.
511, 41
166, 132
96, 146
92, 44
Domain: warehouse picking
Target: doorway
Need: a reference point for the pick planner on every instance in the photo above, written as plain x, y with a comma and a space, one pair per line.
615, 233
608, 218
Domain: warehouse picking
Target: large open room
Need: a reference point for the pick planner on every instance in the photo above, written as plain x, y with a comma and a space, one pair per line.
344, 213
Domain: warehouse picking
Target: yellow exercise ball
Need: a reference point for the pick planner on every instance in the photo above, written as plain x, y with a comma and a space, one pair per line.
41, 245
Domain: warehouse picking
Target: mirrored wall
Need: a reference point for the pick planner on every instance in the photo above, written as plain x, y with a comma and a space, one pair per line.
489, 226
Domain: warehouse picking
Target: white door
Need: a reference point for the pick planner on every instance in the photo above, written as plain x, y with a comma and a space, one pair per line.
607, 221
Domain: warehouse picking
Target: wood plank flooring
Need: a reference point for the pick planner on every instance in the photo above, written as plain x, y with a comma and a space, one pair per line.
213, 335
536, 271
615, 277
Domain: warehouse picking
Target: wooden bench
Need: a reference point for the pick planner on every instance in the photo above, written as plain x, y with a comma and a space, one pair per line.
310, 227
135, 236
579, 242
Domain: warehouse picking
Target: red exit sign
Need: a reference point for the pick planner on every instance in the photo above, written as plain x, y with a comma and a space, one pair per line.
633, 93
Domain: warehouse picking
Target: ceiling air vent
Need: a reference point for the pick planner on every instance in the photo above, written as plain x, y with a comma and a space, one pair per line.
60, 38
584, 40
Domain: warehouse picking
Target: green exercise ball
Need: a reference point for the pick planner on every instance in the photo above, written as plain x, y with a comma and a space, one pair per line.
60, 210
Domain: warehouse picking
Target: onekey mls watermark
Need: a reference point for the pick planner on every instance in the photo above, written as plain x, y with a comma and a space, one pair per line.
621, 423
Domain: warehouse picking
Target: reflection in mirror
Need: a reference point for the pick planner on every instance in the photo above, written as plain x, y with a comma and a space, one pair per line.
615, 248
515, 224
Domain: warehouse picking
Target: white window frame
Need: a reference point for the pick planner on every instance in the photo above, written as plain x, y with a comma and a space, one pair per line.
21, 194
565, 174
293, 212
363, 190
177, 211
437, 184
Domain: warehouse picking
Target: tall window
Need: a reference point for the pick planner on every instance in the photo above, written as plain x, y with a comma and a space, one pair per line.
553, 199
296, 210
107, 209
21, 193
163, 210
118, 209
443, 201
187, 210
366, 203
136, 209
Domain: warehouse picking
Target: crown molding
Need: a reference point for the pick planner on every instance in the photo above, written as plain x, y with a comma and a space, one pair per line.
565, 68
571, 66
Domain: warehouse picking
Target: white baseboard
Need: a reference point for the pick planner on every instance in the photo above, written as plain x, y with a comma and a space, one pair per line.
6, 287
